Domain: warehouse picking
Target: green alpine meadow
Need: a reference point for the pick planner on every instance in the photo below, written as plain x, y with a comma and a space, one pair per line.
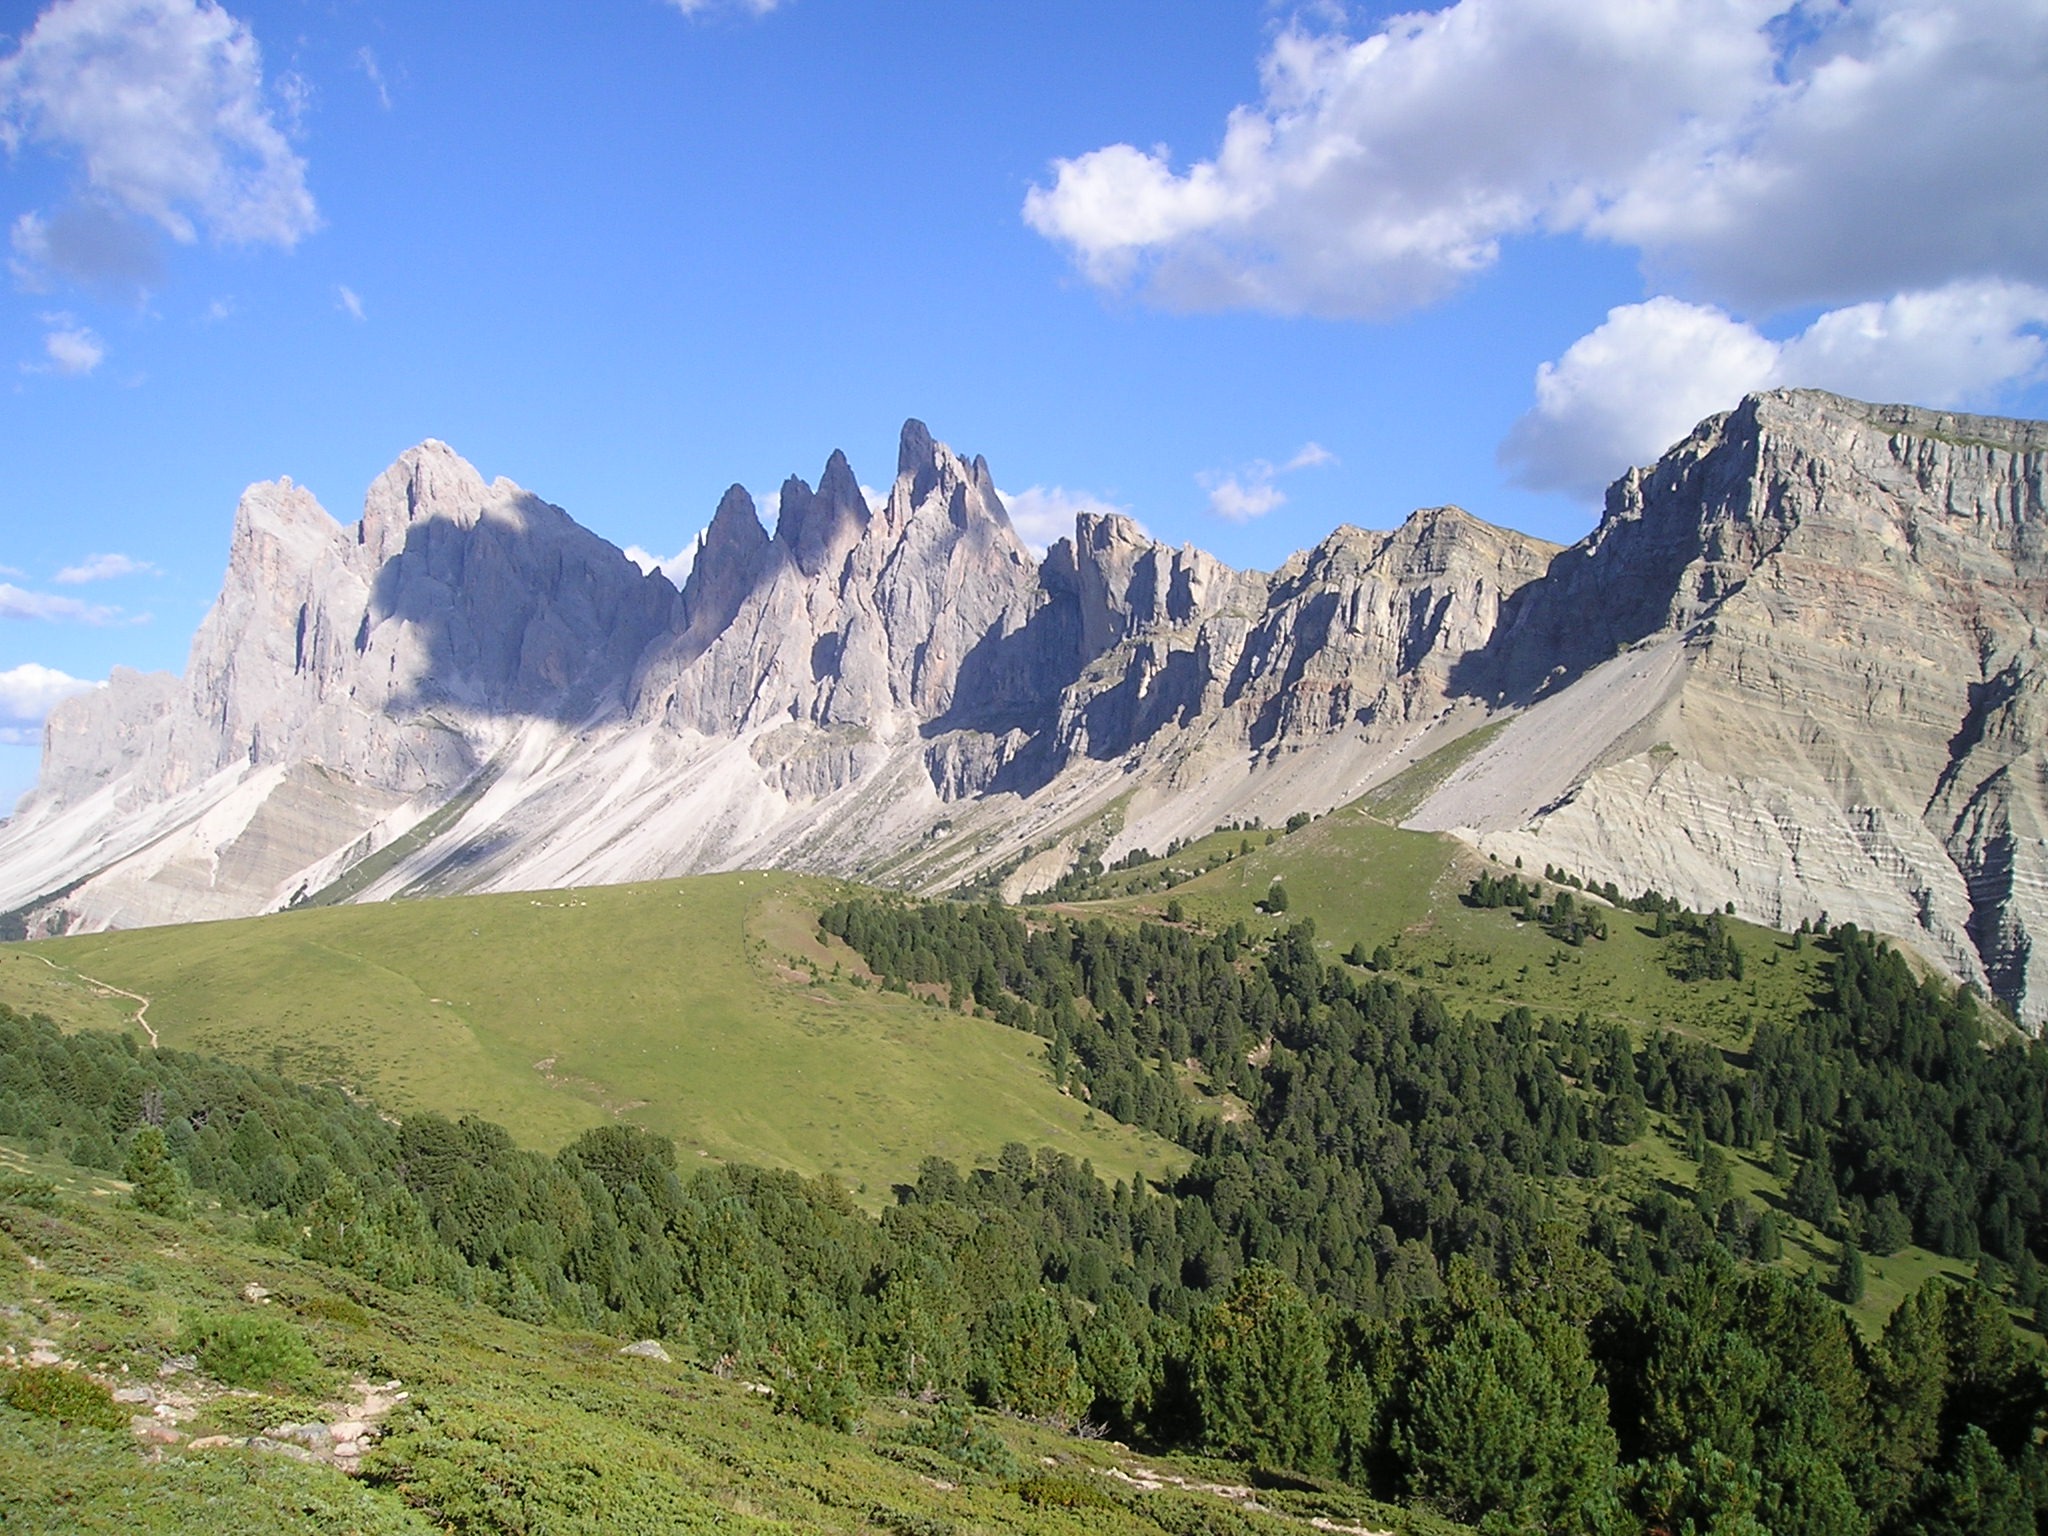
1337, 1180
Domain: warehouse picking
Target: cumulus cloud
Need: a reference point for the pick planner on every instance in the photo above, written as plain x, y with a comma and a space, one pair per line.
1042, 514
103, 568
1626, 391
1757, 156
27, 695
162, 104
1239, 495
1240, 499
675, 567
52, 608
87, 243
72, 349
1955, 345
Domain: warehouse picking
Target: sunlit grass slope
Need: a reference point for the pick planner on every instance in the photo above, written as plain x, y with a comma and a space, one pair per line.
505, 1426
705, 1009
1364, 881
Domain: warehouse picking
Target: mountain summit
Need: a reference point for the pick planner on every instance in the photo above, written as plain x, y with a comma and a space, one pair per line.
1795, 666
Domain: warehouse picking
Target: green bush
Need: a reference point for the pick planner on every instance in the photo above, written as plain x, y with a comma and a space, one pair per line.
814, 1380
1045, 1490
250, 1349
955, 1433
69, 1397
27, 1189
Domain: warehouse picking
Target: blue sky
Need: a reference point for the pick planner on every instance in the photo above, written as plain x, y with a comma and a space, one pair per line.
1246, 271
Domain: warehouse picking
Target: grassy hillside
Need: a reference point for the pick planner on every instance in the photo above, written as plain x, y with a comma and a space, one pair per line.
1364, 881
502, 1426
707, 1010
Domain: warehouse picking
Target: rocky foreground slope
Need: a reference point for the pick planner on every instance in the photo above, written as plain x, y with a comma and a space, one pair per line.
1795, 666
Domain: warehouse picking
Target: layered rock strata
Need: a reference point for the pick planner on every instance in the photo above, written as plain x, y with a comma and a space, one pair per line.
1796, 665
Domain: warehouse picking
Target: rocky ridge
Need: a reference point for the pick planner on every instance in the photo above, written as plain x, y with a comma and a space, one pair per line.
1795, 665
1823, 624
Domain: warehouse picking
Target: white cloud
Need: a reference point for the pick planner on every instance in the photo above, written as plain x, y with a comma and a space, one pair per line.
675, 567
1952, 346
1765, 155
1240, 495
85, 242
1239, 501
347, 300
103, 568
1042, 514
706, 7
27, 695
18, 603
72, 349
1641, 380
875, 499
366, 61
162, 103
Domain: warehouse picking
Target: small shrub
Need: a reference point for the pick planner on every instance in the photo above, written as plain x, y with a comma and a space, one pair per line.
1047, 1490
26, 1189
814, 1380
69, 1397
250, 1349
955, 1433
903, 1522
333, 1309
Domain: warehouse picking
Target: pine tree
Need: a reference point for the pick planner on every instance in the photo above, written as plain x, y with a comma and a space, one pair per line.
1261, 1374
1849, 1274
159, 1188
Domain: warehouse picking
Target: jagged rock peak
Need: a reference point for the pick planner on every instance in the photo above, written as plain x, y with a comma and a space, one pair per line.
735, 524
818, 528
924, 466
917, 453
732, 555
431, 480
279, 514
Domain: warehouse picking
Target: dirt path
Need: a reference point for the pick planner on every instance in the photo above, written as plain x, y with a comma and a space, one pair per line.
141, 1002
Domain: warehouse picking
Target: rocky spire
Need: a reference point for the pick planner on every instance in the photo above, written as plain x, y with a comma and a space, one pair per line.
731, 559
818, 528
431, 480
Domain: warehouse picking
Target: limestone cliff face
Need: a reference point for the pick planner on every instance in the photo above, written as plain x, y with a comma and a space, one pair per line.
1853, 594
1796, 665
375, 664
843, 618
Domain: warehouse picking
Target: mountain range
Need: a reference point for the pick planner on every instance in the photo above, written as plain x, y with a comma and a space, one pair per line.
1797, 666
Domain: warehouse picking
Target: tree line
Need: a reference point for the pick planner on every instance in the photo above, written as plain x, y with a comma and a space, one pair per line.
1373, 1267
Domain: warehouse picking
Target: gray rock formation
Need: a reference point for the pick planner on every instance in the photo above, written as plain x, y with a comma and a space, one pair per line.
1796, 665
1827, 696
343, 676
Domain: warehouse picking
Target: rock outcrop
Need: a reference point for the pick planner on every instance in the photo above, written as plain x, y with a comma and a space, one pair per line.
1826, 697
1796, 665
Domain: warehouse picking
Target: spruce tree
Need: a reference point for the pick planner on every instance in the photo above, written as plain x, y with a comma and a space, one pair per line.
159, 1189
1849, 1274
